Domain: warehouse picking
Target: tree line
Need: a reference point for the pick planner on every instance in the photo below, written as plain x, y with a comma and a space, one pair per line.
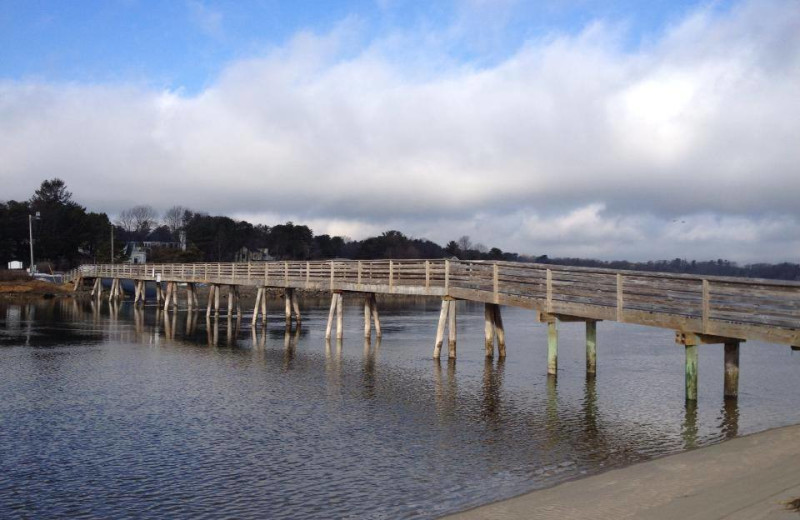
66, 235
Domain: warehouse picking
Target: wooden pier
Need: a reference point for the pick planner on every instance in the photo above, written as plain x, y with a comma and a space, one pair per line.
701, 310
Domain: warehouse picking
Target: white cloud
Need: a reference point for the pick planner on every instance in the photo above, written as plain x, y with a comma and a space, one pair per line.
571, 145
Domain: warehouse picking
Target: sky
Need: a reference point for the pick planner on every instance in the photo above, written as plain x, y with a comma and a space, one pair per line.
606, 129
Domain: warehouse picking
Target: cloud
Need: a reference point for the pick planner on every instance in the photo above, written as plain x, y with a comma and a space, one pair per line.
573, 144
207, 19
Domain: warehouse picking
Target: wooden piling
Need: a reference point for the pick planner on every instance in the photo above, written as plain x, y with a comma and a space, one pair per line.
488, 329
287, 298
500, 332
330, 316
591, 347
296, 308
452, 335
376, 318
257, 306
264, 306
339, 316
437, 349
691, 372
368, 316
552, 347
731, 369
217, 290
159, 294
231, 296
210, 299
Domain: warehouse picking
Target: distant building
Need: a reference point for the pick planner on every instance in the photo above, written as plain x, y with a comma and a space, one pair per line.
257, 255
137, 251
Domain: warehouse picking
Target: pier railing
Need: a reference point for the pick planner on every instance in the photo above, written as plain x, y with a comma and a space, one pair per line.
743, 308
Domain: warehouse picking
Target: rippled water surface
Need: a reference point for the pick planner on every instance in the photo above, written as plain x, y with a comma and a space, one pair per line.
115, 412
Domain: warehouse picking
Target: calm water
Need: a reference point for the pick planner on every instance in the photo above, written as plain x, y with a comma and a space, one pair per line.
114, 412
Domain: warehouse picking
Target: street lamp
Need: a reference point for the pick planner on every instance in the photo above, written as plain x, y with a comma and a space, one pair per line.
30, 230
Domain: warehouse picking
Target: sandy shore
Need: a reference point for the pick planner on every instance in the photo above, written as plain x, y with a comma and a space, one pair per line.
746, 478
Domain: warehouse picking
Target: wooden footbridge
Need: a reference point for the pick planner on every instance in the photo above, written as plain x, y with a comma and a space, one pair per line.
701, 310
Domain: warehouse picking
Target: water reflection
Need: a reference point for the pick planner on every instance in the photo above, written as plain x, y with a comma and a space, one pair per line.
730, 417
306, 412
492, 390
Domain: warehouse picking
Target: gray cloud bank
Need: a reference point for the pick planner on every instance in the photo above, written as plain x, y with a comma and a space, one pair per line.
573, 145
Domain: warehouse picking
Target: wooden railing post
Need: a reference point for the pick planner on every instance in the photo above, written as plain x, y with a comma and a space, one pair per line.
308, 273
620, 299
332, 285
286, 274
447, 277
359, 272
496, 283
391, 275
427, 274
549, 293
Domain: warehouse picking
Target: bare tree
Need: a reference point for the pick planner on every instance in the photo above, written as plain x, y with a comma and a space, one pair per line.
175, 218
464, 243
482, 249
138, 219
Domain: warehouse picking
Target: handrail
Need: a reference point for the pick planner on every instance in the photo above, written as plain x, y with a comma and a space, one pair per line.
734, 307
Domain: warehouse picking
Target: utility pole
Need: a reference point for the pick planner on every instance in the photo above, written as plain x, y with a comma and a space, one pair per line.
30, 231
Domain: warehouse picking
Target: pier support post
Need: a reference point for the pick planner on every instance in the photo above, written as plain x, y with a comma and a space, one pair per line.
731, 369
500, 332
452, 334
493, 328
371, 315
488, 329
591, 347
264, 306
296, 308
210, 299
376, 318
159, 293
231, 296
287, 298
331, 314
437, 349
257, 306
691, 340
368, 316
691, 372
552, 347
216, 299
339, 317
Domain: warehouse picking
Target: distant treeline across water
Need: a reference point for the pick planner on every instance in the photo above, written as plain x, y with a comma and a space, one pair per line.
66, 235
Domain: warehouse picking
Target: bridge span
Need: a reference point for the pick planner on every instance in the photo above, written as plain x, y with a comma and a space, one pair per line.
700, 309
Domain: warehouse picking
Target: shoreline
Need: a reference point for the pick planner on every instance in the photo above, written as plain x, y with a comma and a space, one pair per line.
748, 477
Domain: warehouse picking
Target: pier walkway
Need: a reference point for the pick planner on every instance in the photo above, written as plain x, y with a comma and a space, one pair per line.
701, 310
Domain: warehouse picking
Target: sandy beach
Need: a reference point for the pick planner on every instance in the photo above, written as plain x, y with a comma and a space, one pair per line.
746, 478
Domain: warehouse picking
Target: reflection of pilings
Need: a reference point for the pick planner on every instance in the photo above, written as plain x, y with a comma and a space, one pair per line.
369, 375
333, 367
730, 418
553, 423
689, 430
289, 345
590, 407
138, 319
445, 389
492, 389
191, 323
